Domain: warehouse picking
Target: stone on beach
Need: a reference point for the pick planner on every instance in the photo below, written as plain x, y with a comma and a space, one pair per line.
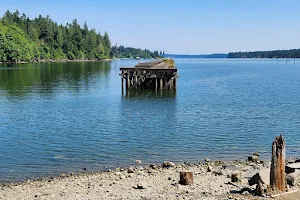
168, 164
236, 177
130, 170
292, 167
209, 168
293, 179
263, 176
253, 158
141, 185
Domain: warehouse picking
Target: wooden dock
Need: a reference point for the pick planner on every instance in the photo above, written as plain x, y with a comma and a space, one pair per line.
156, 75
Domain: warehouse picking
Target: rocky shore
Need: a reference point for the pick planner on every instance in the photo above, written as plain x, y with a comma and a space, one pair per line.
211, 180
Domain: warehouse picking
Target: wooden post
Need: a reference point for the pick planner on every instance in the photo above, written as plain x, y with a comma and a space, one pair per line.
175, 83
161, 84
186, 178
171, 84
122, 82
155, 83
277, 174
128, 81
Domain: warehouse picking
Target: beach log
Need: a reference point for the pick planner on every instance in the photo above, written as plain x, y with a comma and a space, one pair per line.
277, 174
186, 178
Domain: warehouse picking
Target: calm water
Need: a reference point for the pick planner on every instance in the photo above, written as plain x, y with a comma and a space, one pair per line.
61, 117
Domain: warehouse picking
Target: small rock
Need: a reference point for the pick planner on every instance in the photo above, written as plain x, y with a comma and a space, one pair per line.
218, 173
138, 162
141, 185
140, 173
130, 170
293, 179
292, 167
118, 173
169, 178
84, 168
153, 166
256, 154
122, 177
168, 164
130, 175
263, 176
209, 168
253, 158
207, 160
246, 193
236, 177
63, 175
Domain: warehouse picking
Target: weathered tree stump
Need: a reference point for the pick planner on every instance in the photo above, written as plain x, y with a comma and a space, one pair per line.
277, 174
186, 178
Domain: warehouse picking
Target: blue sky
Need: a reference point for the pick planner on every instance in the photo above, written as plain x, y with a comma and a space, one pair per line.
179, 26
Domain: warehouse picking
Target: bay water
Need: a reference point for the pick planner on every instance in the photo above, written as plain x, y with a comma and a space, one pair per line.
63, 117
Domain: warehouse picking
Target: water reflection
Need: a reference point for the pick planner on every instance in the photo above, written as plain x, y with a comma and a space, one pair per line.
47, 78
146, 94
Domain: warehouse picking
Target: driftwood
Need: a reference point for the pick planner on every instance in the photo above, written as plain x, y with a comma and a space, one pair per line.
186, 178
277, 174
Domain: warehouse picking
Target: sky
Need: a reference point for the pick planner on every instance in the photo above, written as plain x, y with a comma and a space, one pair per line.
179, 26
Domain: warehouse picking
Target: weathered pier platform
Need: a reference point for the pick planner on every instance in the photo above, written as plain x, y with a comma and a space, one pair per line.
157, 75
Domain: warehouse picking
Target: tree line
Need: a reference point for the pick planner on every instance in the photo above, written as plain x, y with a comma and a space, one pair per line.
292, 53
25, 39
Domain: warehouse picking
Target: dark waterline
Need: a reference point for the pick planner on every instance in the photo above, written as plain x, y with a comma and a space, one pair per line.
61, 117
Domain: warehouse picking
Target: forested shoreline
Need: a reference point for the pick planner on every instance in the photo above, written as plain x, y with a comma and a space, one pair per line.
41, 39
292, 53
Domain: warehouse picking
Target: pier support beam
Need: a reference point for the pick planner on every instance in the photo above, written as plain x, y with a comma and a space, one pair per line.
122, 83
161, 84
128, 82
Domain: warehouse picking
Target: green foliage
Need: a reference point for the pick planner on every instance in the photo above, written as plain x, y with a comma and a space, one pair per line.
129, 52
24, 39
293, 53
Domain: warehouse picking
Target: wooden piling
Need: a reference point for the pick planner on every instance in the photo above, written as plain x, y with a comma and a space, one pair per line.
122, 83
277, 174
186, 178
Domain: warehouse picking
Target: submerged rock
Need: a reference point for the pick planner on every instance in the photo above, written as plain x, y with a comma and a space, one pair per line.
138, 162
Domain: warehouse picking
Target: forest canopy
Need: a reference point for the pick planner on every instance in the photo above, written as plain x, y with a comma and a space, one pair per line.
24, 39
293, 53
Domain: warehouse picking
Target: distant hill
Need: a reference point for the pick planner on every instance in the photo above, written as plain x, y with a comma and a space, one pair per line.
196, 56
292, 53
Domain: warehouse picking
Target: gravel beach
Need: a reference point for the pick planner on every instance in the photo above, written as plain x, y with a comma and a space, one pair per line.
211, 180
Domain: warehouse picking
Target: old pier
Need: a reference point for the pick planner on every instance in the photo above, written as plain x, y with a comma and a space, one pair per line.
157, 75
